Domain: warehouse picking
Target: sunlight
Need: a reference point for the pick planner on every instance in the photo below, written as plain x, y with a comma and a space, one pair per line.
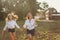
52, 3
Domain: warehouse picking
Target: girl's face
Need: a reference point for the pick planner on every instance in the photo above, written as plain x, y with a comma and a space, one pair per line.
10, 17
30, 16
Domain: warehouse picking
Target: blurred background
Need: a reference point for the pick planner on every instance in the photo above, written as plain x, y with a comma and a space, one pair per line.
37, 7
46, 13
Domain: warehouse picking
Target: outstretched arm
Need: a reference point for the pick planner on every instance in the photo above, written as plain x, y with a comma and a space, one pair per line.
17, 26
4, 29
2, 35
25, 25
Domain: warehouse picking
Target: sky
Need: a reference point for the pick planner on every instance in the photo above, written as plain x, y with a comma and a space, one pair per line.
52, 3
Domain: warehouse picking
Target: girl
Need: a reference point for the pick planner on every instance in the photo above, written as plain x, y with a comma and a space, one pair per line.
10, 26
30, 26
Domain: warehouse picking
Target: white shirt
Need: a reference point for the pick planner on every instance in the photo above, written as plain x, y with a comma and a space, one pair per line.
29, 24
10, 25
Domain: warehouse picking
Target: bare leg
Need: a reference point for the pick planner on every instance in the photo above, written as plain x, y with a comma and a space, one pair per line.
30, 37
12, 36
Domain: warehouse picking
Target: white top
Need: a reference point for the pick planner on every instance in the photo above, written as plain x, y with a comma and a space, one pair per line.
29, 24
10, 25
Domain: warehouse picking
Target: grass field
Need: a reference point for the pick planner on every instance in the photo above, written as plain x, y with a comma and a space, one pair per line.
44, 31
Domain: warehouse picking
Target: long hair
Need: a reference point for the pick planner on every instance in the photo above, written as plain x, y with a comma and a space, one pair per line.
14, 15
7, 18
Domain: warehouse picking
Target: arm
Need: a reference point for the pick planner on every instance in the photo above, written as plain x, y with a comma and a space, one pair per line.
2, 34
17, 26
4, 29
34, 23
24, 26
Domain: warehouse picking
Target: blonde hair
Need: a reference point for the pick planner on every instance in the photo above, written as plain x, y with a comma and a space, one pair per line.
7, 18
14, 17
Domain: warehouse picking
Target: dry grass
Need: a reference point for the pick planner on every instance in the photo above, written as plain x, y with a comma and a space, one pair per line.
44, 31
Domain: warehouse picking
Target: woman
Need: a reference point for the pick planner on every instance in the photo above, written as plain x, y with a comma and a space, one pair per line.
30, 26
10, 26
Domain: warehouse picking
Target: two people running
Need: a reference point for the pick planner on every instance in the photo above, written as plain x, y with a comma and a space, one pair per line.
11, 24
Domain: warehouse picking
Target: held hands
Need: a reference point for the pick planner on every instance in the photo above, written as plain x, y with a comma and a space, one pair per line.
24, 26
21, 30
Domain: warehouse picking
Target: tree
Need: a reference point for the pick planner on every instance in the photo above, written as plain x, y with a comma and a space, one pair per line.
44, 5
21, 7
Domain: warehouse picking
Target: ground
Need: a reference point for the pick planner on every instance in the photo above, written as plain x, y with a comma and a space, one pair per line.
44, 31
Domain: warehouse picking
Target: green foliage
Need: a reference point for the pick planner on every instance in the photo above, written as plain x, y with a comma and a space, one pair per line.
21, 8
